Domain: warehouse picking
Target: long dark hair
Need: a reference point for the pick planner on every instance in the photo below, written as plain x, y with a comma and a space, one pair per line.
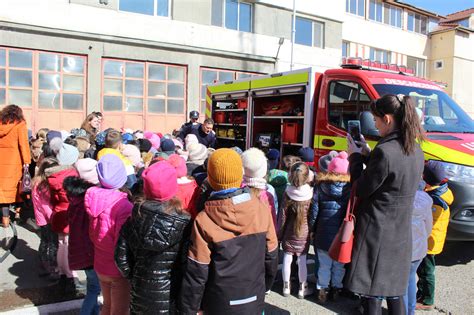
11, 114
402, 107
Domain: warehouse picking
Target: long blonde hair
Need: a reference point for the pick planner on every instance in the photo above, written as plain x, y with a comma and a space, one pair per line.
298, 176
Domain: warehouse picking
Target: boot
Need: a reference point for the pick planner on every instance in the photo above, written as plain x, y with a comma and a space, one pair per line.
334, 294
304, 290
322, 296
286, 288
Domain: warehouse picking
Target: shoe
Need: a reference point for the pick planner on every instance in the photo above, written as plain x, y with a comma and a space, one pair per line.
286, 289
304, 290
423, 307
334, 294
322, 296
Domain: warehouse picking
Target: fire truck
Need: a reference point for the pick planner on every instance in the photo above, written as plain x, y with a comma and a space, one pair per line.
305, 108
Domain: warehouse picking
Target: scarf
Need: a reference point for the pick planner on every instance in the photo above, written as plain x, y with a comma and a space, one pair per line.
301, 193
260, 183
437, 193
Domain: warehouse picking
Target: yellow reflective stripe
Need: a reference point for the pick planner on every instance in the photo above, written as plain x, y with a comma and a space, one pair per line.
446, 154
231, 87
208, 106
287, 79
340, 143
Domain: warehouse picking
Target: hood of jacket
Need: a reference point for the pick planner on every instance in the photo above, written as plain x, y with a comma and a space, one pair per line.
97, 200
56, 169
333, 185
76, 188
154, 229
6, 128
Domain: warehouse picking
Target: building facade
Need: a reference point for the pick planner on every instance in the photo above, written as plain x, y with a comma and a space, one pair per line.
145, 64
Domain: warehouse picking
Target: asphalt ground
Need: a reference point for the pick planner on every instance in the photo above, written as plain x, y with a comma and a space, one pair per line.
22, 287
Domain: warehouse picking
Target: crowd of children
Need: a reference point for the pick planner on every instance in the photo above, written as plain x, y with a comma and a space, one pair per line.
159, 224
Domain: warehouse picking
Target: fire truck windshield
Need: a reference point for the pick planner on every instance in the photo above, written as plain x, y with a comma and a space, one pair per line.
440, 113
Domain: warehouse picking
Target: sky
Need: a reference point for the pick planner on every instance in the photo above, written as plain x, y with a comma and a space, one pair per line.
442, 7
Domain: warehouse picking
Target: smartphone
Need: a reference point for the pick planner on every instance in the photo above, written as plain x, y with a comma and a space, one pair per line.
354, 129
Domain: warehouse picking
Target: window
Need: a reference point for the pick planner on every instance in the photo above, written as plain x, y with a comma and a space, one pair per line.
375, 10
42, 80
346, 49
438, 65
346, 101
385, 13
148, 7
210, 76
395, 17
382, 56
309, 33
464, 23
417, 23
417, 64
356, 7
141, 87
232, 14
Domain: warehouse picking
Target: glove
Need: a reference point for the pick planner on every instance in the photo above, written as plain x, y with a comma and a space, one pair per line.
357, 146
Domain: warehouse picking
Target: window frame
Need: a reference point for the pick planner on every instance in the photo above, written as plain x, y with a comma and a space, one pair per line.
357, 4
440, 67
223, 13
386, 10
155, 10
419, 64
348, 49
377, 50
421, 19
313, 33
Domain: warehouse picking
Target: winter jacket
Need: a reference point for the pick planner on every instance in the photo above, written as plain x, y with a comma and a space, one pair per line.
188, 194
292, 243
42, 206
330, 205
205, 191
269, 198
108, 210
59, 201
233, 256
14, 152
421, 224
381, 254
131, 177
279, 181
151, 253
190, 167
441, 214
80, 249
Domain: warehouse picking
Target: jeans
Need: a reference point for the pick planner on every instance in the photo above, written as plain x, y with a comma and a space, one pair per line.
90, 306
410, 297
330, 271
426, 280
116, 294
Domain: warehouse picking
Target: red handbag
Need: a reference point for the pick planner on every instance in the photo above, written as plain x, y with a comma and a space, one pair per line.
341, 246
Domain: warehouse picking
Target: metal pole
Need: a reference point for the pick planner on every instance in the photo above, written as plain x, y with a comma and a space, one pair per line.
293, 32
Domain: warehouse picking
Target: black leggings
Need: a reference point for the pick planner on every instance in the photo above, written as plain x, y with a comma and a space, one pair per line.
373, 306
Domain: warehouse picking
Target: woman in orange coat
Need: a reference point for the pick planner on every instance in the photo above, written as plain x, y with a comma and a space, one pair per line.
14, 153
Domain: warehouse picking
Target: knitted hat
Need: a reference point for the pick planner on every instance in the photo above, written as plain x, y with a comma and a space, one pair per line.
190, 138
78, 132
306, 154
238, 150
83, 145
52, 134
65, 134
254, 162
224, 170
145, 145
179, 164
197, 152
87, 169
167, 145
339, 164
111, 172
100, 138
66, 154
178, 143
159, 181
434, 173
154, 139
273, 156
127, 137
132, 153
138, 135
323, 162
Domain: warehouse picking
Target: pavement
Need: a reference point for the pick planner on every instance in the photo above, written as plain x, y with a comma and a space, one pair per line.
23, 291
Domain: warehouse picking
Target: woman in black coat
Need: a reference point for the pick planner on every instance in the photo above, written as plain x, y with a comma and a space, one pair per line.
152, 247
386, 189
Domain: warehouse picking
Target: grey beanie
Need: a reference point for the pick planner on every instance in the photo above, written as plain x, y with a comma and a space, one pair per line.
65, 153
324, 161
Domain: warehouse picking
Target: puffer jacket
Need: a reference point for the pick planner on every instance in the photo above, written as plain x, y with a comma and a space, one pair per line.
59, 201
188, 194
421, 224
330, 205
108, 210
80, 249
150, 252
440, 195
232, 258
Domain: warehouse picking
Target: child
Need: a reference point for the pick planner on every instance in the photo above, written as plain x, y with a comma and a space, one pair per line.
255, 170
330, 205
151, 243
42, 206
233, 256
421, 225
295, 226
188, 190
197, 154
113, 145
81, 249
109, 208
437, 188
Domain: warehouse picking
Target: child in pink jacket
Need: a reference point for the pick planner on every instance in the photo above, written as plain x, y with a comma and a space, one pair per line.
109, 208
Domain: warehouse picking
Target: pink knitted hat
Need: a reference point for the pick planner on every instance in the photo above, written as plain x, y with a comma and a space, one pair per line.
87, 170
179, 164
153, 138
339, 164
160, 182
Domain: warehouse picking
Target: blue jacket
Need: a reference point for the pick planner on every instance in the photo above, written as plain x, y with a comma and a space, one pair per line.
421, 224
330, 204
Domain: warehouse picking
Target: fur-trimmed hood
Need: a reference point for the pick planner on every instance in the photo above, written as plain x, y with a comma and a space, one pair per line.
56, 169
333, 185
332, 178
76, 186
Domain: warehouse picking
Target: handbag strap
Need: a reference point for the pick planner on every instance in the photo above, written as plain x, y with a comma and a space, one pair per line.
352, 201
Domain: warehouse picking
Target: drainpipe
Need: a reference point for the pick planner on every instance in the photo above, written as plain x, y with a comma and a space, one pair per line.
293, 32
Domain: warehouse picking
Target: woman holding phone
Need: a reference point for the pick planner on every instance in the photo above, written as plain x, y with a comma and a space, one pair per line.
386, 189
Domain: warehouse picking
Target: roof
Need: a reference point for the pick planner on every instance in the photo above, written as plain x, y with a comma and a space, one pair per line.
457, 16
414, 8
